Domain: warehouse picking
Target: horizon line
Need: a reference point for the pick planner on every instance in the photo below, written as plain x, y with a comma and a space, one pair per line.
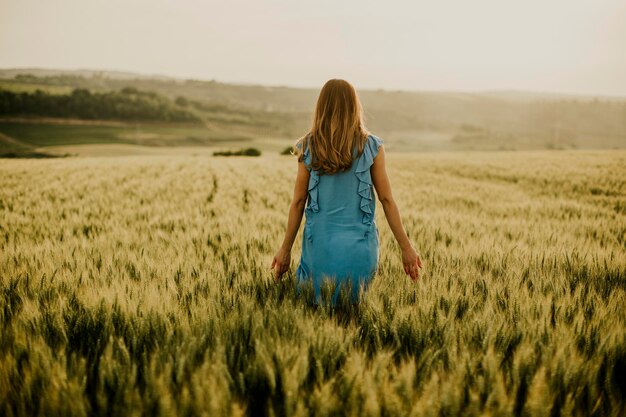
152, 75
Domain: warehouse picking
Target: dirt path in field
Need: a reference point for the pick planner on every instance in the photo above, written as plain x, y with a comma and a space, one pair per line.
123, 149
8, 141
83, 122
56, 121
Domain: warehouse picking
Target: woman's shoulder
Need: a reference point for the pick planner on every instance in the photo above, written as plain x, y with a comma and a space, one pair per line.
303, 144
302, 149
370, 150
372, 144
374, 140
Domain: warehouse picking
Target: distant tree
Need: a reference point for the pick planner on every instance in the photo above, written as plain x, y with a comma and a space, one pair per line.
129, 90
241, 152
126, 104
251, 152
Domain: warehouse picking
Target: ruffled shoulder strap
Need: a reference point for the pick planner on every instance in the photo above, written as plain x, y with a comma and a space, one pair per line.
314, 178
362, 172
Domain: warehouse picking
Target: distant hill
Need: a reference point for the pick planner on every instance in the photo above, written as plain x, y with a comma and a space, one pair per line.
407, 120
115, 75
128, 104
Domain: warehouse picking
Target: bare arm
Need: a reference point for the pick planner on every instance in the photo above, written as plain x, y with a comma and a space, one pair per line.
410, 259
282, 259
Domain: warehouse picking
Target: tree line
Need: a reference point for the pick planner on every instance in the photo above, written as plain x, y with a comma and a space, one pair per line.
125, 104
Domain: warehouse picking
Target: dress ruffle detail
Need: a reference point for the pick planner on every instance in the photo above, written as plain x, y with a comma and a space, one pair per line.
362, 172
314, 180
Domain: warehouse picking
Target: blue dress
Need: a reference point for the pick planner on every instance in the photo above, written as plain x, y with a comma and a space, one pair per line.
340, 238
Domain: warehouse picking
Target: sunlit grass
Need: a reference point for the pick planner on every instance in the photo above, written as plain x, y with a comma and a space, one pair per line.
147, 134
142, 285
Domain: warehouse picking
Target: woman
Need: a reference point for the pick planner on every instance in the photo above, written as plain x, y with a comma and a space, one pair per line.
338, 163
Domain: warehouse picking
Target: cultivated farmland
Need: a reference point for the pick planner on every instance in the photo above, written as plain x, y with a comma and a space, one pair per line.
141, 285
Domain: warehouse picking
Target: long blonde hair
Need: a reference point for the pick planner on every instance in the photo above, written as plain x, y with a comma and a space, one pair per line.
337, 127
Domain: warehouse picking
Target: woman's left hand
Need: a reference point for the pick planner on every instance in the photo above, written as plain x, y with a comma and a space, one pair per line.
281, 262
411, 262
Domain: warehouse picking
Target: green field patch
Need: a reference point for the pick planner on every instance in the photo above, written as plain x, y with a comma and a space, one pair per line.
52, 135
39, 134
22, 87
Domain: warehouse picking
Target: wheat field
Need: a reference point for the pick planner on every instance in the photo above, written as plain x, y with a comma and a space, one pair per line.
141, 286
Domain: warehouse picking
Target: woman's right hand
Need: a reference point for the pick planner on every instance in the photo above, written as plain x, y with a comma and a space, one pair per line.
281, 262
411, 262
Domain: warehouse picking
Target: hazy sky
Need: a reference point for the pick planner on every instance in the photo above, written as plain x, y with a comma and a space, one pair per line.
541, 45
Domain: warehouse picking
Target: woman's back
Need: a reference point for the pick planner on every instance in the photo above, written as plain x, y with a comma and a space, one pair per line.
340, 239
340, 236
